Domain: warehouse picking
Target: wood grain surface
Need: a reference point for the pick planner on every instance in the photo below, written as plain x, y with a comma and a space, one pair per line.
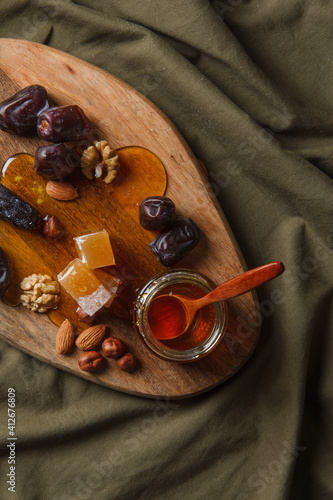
125, 118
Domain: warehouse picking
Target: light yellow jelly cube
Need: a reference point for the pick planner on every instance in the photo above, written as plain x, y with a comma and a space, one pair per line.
95, 249
80, 282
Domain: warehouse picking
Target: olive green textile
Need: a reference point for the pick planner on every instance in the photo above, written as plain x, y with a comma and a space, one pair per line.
249, 85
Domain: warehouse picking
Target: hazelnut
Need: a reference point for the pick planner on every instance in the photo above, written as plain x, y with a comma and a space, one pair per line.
127, 362
52, 227
84, 317
113, 348
90, 361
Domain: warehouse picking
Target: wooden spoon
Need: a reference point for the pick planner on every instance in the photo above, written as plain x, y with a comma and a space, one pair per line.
169, 316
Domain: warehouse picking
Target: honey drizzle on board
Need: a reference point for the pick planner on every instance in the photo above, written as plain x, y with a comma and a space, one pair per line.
113, 207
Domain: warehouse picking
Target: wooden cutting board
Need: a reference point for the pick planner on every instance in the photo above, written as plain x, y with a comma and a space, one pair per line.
125, 118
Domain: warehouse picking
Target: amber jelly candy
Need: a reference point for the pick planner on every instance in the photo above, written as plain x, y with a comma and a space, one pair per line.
85, 288
95, 249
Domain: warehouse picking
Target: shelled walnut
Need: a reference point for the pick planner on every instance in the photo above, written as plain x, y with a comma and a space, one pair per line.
39, 292
98, 159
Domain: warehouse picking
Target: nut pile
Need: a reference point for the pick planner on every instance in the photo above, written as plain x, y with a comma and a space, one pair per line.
89, 341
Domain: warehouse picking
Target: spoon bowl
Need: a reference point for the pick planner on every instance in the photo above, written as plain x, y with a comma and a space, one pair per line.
170, 315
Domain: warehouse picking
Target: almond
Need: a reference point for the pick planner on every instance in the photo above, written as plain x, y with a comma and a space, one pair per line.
65, 337
89, 339
62, 191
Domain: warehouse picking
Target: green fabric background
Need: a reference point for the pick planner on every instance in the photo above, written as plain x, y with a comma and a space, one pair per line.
249, 85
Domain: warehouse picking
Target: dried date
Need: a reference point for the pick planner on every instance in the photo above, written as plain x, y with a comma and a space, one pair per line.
175, 240
156, 212
56, 161
63, 123
19, 113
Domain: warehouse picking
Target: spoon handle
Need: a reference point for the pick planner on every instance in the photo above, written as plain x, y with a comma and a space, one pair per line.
243, 283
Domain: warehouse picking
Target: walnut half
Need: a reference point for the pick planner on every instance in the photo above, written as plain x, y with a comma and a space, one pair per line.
99, 158
39, 292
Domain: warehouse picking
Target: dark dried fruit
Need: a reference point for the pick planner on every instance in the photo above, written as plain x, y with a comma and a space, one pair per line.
113, 348
56, 161
4, 273
63, 123
19, 113
175, 241
16, 211
156, 212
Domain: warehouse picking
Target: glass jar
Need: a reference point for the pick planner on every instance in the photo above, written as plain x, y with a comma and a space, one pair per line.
207, 328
